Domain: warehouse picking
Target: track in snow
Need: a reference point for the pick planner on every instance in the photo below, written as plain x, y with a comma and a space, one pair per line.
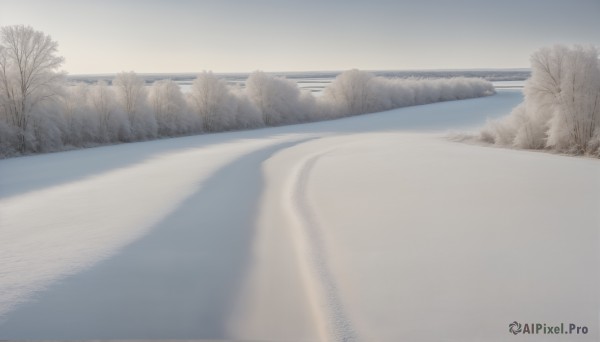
338, 326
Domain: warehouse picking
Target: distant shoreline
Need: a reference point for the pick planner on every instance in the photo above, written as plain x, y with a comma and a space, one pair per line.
488, 74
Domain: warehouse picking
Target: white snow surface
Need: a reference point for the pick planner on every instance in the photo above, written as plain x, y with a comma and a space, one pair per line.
368, 228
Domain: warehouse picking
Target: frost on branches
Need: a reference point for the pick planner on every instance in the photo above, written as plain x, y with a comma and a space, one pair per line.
40, 111
561, 110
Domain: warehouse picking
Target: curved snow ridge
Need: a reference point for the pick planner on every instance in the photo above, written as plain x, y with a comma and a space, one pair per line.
337, 325
58, 231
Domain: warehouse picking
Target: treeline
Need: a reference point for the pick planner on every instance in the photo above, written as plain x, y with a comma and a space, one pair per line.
561, 110
40, 111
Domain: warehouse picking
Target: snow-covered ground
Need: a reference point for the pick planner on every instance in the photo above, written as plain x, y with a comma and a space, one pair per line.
372, 228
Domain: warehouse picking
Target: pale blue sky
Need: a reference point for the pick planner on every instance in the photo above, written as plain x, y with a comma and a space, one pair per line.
244, 35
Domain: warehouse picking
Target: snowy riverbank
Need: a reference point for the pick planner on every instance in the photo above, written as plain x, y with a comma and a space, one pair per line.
372, 227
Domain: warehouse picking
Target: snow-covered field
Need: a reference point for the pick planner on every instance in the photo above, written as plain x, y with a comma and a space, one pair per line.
372, 228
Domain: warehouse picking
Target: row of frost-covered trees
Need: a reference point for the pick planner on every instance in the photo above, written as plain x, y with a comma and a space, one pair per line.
40, 111
561, 110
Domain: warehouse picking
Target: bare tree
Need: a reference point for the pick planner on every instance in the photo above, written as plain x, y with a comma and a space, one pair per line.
28, 74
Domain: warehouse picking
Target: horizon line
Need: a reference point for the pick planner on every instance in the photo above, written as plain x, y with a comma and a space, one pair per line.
299, 72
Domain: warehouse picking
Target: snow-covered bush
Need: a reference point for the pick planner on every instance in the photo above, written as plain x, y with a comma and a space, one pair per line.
357, 92
112, 122
349, 93
594, 144
81, 127
170, 109
279, 100
9, 139
211, 99
247, 113
40, 111
561, 110
132, 99
47, 125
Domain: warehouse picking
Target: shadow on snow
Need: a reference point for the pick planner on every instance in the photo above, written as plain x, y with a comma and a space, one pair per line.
179, 282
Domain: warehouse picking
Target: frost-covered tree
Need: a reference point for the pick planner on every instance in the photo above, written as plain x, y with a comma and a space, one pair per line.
47, 127
81, 124
170, 109
72, 103
29, 77
349, 92
357, 92
279, 99
8, 139
112, 121
567, 81
247, 113
40, 112
561, 110
132, 98
212, 100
